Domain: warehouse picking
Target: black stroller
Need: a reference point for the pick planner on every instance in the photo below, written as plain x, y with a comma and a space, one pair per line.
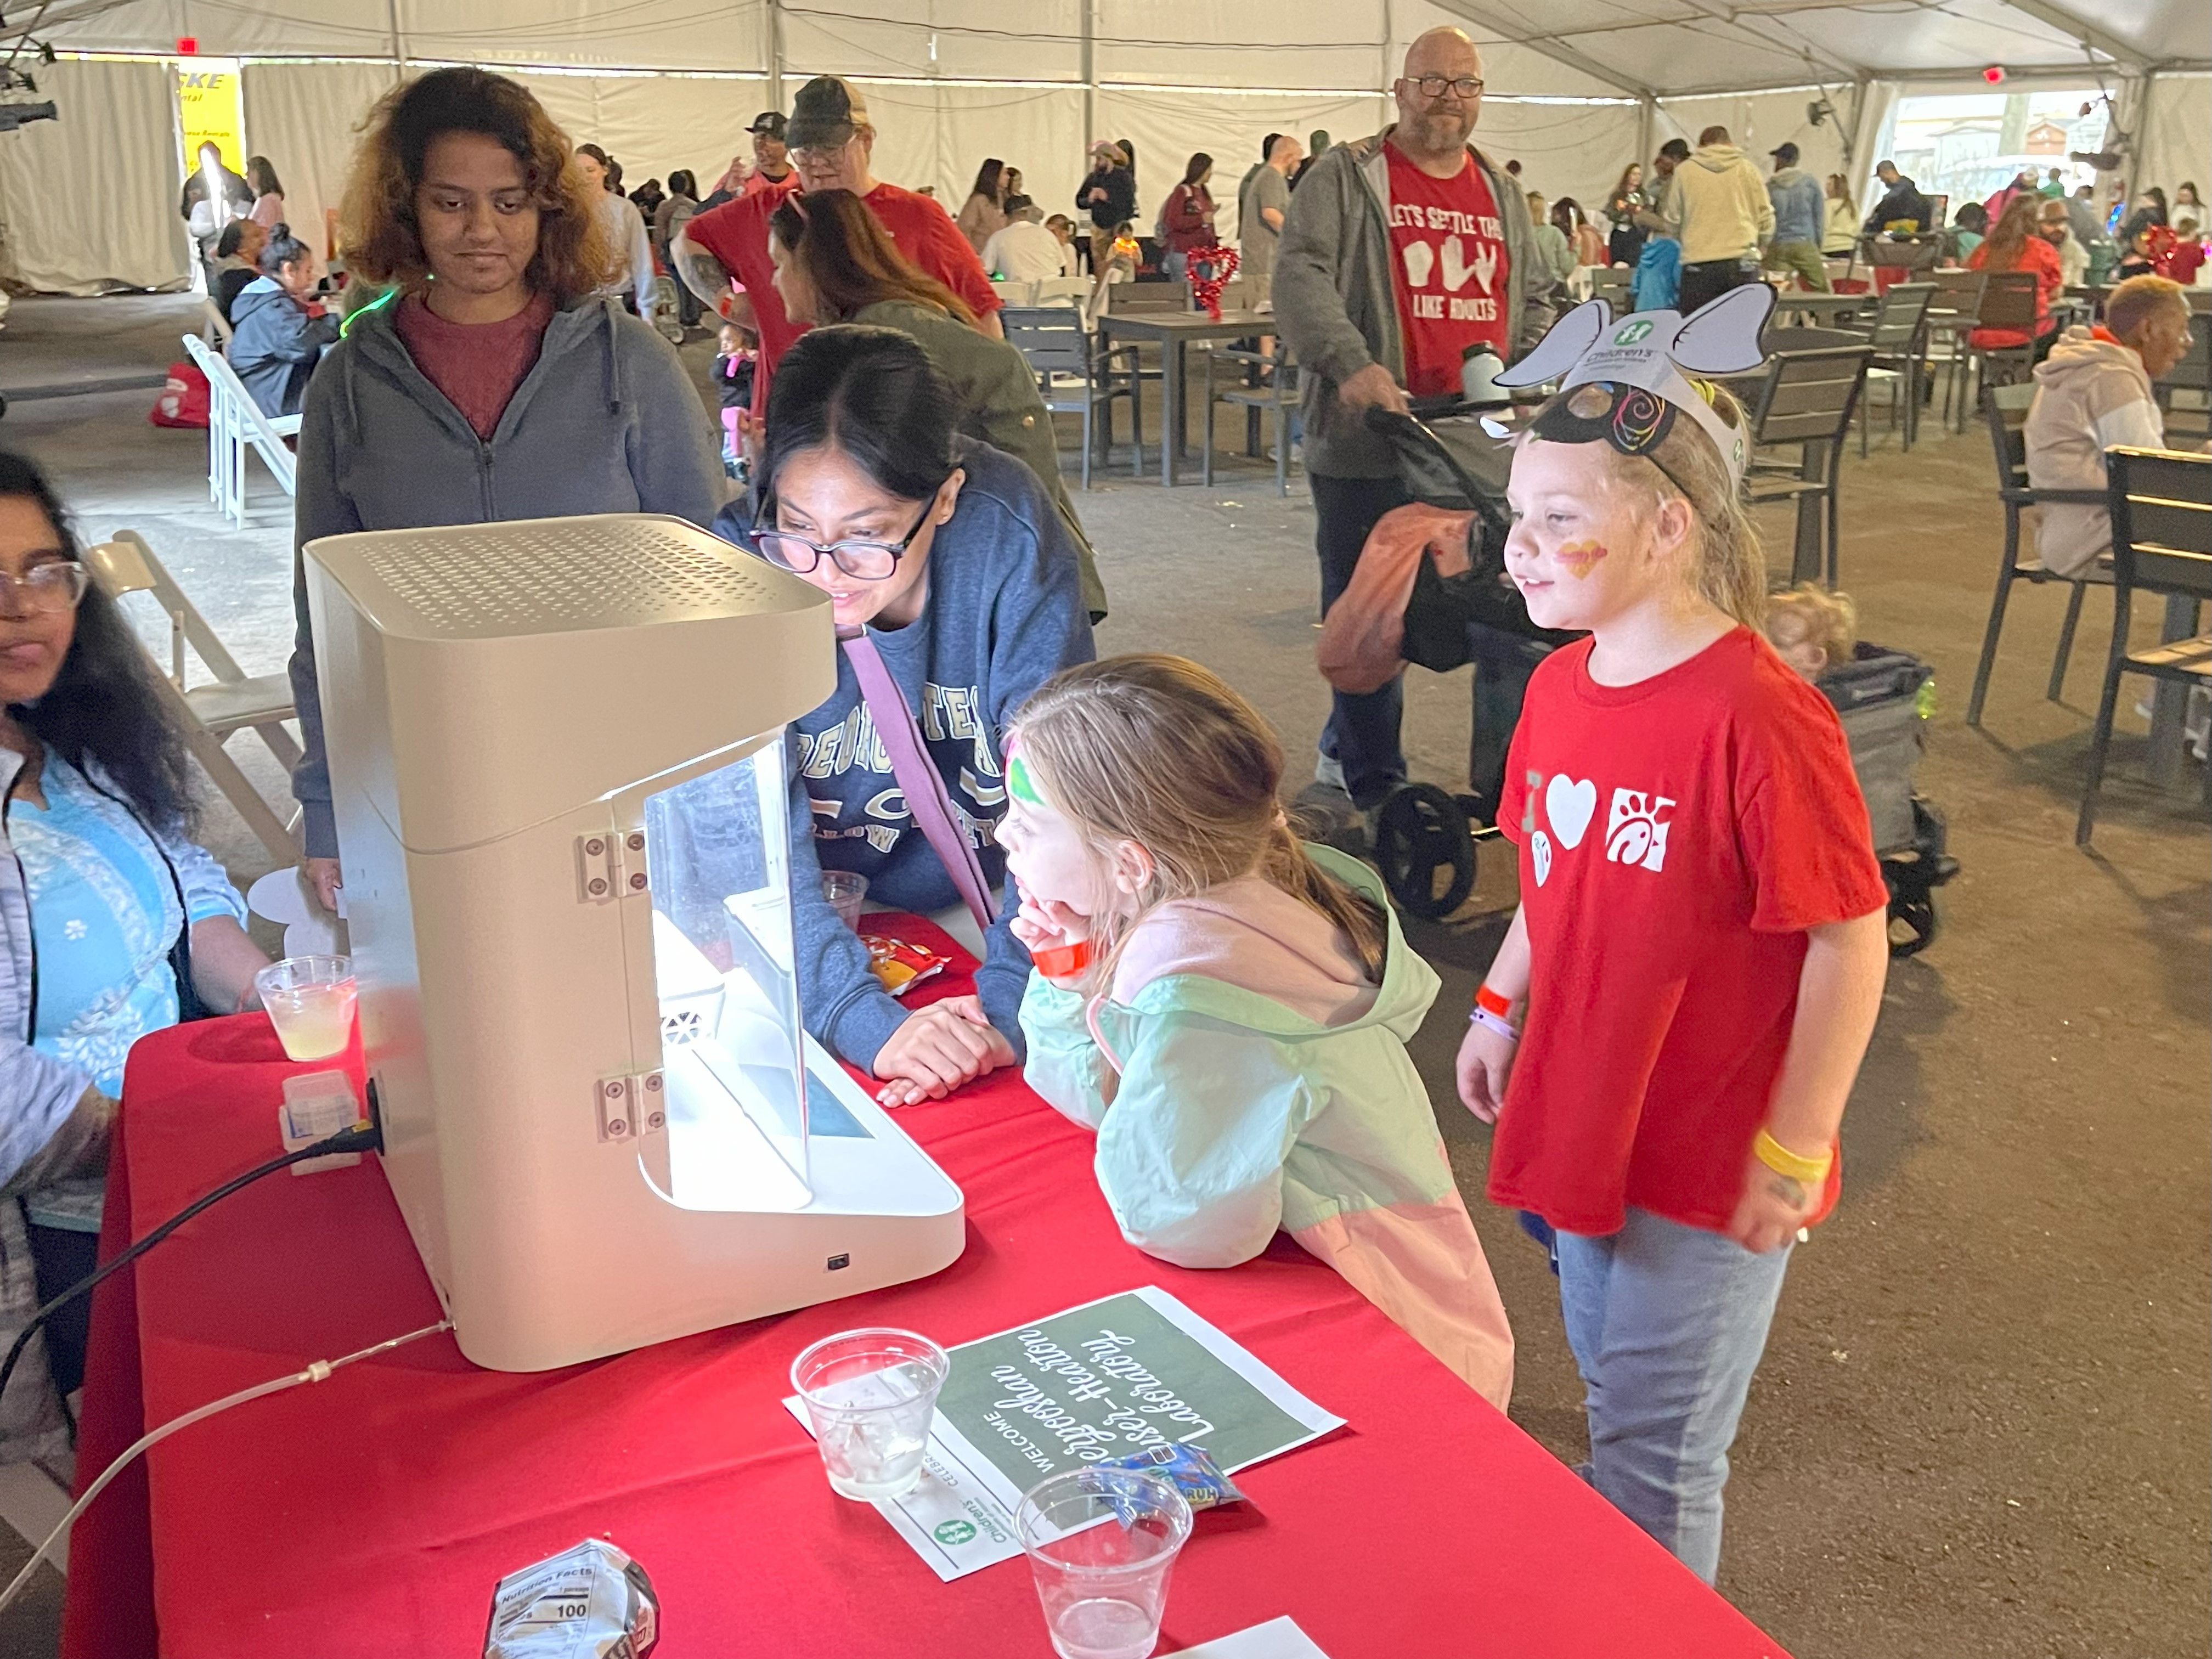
1425, 837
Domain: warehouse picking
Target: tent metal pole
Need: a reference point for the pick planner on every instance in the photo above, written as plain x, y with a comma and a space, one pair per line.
1647, 127
772, 21
1090, 73
398, 40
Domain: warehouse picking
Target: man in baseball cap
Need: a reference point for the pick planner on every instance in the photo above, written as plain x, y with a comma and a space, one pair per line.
831, 140
1801, 221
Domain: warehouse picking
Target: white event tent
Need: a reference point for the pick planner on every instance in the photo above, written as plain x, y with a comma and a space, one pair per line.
1576, 88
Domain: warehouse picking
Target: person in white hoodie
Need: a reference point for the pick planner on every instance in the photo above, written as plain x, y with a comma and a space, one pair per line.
2092, 393
1718, 206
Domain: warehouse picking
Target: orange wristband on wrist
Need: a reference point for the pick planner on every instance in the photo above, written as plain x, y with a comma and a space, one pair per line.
1490, 1002
1063, 961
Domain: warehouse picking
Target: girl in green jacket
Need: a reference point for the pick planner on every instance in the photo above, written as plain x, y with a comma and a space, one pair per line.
1228, 1007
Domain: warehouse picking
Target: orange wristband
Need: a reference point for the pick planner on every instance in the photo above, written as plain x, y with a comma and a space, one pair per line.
1063, 961
1490, 1002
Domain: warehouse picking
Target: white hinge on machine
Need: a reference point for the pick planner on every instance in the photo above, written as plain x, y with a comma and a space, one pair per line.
631, 1106
609, 866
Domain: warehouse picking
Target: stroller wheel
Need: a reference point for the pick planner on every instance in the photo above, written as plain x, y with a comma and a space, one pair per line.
1426, 851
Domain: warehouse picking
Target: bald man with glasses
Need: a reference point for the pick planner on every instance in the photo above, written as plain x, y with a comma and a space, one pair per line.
1400, 253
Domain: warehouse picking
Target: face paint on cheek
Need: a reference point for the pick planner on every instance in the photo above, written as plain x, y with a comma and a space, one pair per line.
1580, 558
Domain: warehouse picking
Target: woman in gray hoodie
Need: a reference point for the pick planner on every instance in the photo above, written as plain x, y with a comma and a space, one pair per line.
492, 383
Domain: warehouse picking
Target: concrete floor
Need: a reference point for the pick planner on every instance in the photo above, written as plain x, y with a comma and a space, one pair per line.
1983, 1425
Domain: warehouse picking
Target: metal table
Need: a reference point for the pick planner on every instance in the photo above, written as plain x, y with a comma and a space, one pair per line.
1173, 330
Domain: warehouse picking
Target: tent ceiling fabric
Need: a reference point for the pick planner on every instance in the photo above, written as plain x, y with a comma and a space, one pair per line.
1590, 47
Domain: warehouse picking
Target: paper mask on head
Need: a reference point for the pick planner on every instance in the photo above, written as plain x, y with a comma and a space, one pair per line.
1633, 369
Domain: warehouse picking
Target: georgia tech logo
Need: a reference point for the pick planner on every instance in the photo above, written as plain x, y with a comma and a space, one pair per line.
1632, 333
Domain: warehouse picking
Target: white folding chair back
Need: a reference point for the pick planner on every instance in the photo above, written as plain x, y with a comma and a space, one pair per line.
235, 423
214, 327
208, 715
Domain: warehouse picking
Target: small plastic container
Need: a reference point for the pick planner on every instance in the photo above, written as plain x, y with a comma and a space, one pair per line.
845, 893
1102, 1541
310, 1001
871, 1395
318, 1105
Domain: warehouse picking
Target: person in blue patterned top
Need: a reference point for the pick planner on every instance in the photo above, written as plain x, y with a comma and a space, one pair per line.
101, 883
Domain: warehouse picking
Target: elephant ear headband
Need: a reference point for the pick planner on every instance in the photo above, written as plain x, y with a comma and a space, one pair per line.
1624, 381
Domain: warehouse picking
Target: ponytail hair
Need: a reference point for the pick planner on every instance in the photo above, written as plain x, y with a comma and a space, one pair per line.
1159, 751
282, 248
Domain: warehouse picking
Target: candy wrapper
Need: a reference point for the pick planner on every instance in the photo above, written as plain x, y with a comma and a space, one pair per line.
899, 965
589, 1602
1195, 1475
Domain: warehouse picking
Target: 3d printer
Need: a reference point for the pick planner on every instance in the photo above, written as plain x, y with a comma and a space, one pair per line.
557, 761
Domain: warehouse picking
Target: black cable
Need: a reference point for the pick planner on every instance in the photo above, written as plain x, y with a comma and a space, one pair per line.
360, 1138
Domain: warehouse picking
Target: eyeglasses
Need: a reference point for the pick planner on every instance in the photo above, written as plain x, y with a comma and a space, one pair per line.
1435, 85
863, 561
57, 585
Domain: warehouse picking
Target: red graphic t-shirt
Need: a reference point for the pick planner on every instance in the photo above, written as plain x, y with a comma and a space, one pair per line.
1677, 837
1448, 262
735, 233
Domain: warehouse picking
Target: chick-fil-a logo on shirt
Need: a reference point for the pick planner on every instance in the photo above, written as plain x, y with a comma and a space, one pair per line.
1636, 826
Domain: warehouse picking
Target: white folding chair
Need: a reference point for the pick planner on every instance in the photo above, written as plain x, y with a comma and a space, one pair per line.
208, 715
235, 423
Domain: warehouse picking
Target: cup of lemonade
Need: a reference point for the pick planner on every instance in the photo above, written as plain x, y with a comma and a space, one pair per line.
310, 1001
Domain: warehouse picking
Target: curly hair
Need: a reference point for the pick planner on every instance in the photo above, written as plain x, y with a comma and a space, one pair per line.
576, 254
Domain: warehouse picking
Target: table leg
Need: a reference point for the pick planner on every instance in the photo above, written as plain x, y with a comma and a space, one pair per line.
1173, 436
2169, 702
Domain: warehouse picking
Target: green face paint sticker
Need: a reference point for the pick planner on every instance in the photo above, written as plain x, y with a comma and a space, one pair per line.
1018, 782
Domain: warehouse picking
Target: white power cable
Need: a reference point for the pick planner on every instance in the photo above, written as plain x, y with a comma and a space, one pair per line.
319, 1371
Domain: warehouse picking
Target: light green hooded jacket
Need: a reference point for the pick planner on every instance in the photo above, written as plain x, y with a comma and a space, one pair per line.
1233, 1115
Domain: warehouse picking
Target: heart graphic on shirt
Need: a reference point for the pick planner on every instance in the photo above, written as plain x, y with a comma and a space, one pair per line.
1420, 260
1570, 806
1539, 854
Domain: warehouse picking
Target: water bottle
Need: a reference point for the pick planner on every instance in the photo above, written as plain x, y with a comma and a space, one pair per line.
1478, 368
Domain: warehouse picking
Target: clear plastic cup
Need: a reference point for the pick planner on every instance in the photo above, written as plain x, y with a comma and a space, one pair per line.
310, 1002
871, 1395
1101, 1542
845, 892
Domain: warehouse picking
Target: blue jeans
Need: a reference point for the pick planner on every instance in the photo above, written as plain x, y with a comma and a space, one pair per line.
1668, 1323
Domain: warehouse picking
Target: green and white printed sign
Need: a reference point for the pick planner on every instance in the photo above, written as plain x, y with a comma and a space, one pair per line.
1096, 1382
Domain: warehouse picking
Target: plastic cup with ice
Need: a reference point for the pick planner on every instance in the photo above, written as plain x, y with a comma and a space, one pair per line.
846, 893
870, 1396
310, 1001
1100, 1543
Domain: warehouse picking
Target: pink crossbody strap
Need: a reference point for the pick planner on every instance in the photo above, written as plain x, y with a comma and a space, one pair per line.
919, 779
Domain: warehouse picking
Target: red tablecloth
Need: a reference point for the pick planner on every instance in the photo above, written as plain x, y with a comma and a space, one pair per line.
371, 1514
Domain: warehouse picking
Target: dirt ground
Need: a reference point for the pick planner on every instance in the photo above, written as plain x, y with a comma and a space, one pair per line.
1982, 1427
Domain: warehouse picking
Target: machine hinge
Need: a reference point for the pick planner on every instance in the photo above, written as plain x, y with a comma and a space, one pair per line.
609, 866
631, 1106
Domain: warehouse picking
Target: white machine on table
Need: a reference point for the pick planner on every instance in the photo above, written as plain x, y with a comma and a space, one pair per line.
557, 760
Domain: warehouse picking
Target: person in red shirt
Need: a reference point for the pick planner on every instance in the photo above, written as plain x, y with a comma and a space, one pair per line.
1700, 947
2013, 245
830, 141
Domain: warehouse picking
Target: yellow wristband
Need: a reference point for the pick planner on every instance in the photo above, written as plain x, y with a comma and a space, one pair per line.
1780, 1159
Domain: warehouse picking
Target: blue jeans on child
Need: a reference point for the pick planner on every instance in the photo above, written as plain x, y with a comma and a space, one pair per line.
1668, 1323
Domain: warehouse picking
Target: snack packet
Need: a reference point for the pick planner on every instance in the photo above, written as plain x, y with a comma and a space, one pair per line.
899, 965
1195, 1475
589, 1602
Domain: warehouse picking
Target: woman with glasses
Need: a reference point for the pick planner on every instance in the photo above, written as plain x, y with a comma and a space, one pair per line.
835, 262
497, 383
944, 555
104, 899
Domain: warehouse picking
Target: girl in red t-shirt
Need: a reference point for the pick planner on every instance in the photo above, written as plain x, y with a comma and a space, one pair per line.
1700, 946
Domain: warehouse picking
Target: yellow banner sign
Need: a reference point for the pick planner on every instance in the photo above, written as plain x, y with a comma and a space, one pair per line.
207, 101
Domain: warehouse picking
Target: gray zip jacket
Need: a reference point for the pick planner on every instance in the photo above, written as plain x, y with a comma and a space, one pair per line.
607, 420
1337, 304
